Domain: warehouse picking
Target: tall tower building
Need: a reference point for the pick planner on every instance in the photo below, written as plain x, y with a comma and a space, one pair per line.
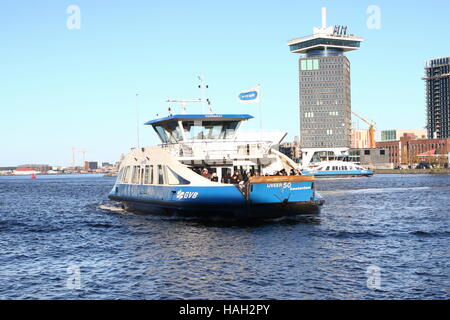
437, 74
324, 82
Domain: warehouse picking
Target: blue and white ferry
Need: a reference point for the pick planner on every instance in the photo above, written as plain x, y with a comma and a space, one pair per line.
166, 179
331, 163
336, 169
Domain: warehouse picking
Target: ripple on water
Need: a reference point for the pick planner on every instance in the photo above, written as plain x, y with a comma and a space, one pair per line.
397, 223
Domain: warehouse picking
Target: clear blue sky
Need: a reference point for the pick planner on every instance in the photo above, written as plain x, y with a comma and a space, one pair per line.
64, 88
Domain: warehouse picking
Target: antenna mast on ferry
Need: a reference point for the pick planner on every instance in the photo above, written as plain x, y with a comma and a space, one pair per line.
201, 100
203, 88
184, 103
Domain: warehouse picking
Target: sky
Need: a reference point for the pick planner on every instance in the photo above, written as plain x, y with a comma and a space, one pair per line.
64, 87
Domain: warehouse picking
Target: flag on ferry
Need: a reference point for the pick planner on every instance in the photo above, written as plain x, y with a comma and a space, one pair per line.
250, 96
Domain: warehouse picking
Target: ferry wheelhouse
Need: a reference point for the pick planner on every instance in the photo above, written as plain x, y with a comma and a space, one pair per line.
175, 176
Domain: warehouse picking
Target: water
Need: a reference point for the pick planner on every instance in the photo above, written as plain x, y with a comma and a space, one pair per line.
53, 227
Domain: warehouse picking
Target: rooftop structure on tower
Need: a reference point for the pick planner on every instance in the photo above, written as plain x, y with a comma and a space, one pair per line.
325, 38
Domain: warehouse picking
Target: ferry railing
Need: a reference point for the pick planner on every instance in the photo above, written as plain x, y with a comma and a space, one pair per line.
218, 149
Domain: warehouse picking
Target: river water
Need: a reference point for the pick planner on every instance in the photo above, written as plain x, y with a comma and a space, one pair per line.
383, 237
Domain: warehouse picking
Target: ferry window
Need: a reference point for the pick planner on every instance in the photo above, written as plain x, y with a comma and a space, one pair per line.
382, 152
135, 178
161, 133
127, 175
148, 175
160, 174
120, 175
210, 129
328, 168
229, 129
141, 175
174, 130
215, 131
175, 179
367, 152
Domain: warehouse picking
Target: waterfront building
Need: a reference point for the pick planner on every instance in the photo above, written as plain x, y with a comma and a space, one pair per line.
373, 158
106, 165
291, 149
360, 139
93, 165
437, 74
90, 165
324, 84
410, 149
396, 134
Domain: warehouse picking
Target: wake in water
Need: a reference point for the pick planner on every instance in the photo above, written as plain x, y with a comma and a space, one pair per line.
111, 206
375, 190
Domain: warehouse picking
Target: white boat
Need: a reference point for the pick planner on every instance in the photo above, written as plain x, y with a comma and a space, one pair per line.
332, 162
25, 172
336, 168
168, 179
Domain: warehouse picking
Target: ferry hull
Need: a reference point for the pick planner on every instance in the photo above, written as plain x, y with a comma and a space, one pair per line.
339, 174
240, 212
260, 197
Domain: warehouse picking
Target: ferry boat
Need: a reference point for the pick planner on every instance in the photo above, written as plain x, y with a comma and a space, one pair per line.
174, 177
25, 172
337, 168
331, 163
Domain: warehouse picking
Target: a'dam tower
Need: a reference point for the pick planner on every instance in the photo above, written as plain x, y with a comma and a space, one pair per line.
324, 82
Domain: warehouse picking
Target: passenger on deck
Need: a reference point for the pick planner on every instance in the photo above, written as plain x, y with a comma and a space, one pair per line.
226, 178
236, 178
214, 177
245, 176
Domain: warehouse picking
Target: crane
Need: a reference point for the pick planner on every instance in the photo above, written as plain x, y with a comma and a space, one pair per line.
371, 129
74, 150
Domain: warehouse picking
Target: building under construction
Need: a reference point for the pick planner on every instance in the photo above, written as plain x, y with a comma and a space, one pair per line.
437, 74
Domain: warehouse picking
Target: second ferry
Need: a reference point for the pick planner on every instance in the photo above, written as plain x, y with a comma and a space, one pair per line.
205, 166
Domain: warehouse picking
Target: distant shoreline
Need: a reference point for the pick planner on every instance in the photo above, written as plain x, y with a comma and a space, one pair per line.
52, 175
412, 171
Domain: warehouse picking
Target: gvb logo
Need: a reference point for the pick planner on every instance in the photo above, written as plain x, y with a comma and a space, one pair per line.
186, 195
374, 278
74, 279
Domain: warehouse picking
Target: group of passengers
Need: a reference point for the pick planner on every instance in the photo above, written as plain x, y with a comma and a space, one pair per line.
292, 172
241, 175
